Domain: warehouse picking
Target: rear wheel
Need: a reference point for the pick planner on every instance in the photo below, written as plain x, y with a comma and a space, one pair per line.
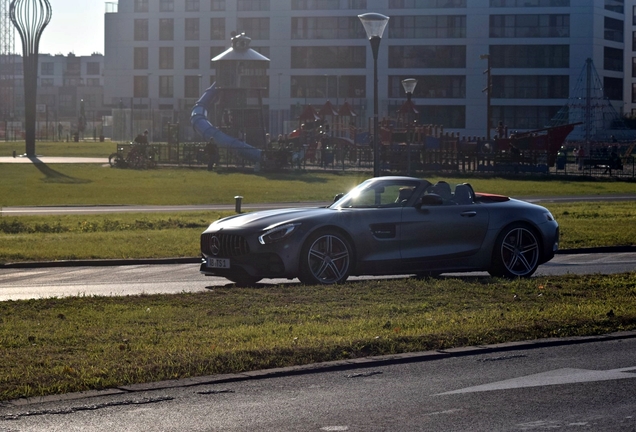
325, 259
516, 252
116, 160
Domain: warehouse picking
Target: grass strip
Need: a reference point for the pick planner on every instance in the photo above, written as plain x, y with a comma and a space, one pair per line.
51, 346
78, 184
170, 235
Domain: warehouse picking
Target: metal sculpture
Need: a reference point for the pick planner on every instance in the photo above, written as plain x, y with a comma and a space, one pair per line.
30, 17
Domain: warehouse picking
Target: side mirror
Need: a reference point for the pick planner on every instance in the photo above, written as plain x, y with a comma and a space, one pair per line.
430, 200
337, 197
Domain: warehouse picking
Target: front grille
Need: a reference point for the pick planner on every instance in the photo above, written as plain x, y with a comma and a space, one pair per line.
229, 245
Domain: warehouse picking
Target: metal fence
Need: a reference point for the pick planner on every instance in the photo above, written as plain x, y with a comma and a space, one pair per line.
397, 159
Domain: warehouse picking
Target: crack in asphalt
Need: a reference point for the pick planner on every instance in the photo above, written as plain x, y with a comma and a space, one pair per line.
71, 410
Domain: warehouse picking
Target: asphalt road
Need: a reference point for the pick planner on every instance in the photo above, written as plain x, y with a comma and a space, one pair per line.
20, 283
571, 387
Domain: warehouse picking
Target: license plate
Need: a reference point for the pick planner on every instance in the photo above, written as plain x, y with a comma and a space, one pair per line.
219, 263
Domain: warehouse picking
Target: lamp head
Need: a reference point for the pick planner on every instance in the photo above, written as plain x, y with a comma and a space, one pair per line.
409, 85
374, 24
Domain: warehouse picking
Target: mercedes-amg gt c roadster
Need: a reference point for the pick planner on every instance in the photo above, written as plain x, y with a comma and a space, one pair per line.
384, 226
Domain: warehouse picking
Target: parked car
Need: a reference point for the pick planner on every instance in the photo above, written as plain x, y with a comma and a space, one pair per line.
384, 226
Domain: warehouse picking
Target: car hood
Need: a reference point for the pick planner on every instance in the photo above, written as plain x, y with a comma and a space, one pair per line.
268, 218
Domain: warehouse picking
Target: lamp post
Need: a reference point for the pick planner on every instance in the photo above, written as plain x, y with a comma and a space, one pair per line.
409, 87
488, 90
374, 25
30, 17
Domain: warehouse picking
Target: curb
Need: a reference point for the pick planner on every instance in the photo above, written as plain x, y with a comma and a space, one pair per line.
197, 260
332, 366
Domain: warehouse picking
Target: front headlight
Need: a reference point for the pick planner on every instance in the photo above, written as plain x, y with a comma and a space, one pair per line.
277, 233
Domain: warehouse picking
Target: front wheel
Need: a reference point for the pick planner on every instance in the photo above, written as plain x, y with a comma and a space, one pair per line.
325, 259
516, 253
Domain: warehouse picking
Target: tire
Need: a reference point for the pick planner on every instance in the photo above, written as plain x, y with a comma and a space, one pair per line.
326, 259
516, 253
243, 280
116, 161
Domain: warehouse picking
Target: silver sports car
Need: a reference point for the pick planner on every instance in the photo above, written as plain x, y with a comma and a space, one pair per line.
384, 226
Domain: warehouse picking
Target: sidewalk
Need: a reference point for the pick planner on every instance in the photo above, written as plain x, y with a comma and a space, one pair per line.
52, 160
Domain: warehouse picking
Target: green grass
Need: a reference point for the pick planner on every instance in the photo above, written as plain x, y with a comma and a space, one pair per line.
70, 184
157, 235
63, 345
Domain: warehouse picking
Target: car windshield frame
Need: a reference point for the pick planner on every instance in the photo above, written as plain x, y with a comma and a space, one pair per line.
380, 193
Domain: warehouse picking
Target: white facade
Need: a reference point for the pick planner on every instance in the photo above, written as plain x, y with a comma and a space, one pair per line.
537, 50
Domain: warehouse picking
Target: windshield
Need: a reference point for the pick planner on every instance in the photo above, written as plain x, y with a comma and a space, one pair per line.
376, 193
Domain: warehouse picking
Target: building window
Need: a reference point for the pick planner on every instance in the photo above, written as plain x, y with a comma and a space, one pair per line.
430, 86
166, 86
255, 28
529, 26
633, 97
530, 86
524, 117
166, 58
613, 59
329, 57
426, 4
449, 116
328, 4
93, 82
92, 68
428, 26
191, 58
141, 6
192, 86
141, 30
327, 28
617, 6
217, 5
252, 5
633, 67
46, 82
192, 29
324, 86
47, 68
140, 60
166, 29
192, 5
140, 84
613, 88
529, 3
530, 56
217, 28
166, 6
427, 56
613, 30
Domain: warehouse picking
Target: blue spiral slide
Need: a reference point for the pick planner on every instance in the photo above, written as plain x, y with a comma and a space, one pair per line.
202, 126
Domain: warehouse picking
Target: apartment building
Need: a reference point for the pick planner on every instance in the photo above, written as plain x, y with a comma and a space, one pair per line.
66, 83
158, 55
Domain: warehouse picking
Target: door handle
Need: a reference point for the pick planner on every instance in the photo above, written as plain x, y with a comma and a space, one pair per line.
468, 214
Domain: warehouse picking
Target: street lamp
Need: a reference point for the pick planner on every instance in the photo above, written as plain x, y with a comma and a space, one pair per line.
488, 90
374, 25
30, 18
409, 87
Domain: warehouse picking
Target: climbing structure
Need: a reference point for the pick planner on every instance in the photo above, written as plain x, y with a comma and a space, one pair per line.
588, 105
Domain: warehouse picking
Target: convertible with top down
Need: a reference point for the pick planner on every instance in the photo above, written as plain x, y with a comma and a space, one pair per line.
384, 226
